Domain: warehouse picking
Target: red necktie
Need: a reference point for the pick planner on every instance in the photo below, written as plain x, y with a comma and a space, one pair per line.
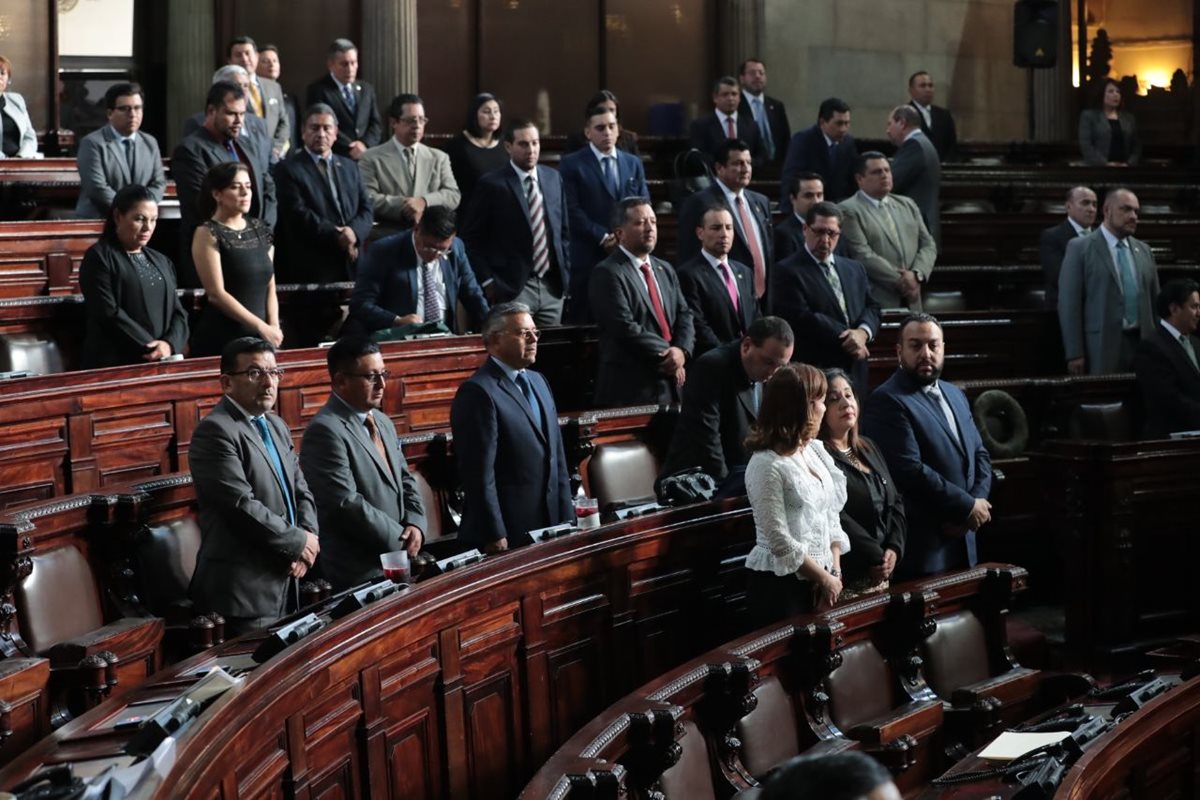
760, 269
730, 130
730, 286
656, 302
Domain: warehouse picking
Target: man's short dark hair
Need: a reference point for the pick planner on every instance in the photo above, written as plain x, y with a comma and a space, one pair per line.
596, 110
917, 318
831, 106
916, 75
908, 115
517, 124
235, 41
269, 48
823, 209
748, 62
438, 222
219, 91
339, 46
765, 328
396, 109
347, 350
123, 89
620, 210
794, 189
710, 208
860, 163
725, 80
839, 776
1174, 293
314, 110
239, 346
727, 146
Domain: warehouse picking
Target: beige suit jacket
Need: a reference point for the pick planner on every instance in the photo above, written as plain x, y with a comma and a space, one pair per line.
871, 241
389, 183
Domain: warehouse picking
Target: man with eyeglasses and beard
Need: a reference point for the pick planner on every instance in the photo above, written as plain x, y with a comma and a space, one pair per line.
258, 522
510, 453
367, 500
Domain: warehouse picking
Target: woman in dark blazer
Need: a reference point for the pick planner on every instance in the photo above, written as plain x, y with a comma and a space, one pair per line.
873, 516
133, 312
1108, 135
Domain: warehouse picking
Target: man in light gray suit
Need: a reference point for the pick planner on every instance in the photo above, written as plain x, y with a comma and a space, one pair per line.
258, 522
118, 154
403, 176
886, 233
1106, 289
916, 168
265, 96
367, 500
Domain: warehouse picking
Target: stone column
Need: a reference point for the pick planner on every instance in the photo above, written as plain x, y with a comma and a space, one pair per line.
388, 52
741, 23
189, 71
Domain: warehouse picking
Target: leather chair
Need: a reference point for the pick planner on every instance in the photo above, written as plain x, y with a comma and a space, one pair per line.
621, 472
768, 733
432, 502
1106, 422
26, 352
165, 557
691, 777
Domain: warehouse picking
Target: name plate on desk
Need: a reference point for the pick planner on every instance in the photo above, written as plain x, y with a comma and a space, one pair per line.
636, 511
552, 532
461, 560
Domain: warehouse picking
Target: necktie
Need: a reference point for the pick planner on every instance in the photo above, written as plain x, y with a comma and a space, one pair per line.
757, 391
730, 128
537, 224
936, 393
277, 464
764, 127
660, 315
1084, 231
530, 397
751, 233
889, 221
348, 96
730, 286
835, 283
129, 156
1129, 289
610, 176
376, 439
327, 176
232, 150
1187, 348
410, 163
256, 102
434, 307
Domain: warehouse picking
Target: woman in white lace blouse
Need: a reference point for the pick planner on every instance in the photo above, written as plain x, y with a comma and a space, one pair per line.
796, 493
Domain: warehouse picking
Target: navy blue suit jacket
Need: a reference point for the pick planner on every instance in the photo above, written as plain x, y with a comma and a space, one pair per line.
808, 152
590, 203
706, 134
714, 318
940, 479
513, 467
497, 233
386, 286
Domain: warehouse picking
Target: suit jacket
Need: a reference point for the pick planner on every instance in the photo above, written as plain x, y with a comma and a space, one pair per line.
190, 161
869, 239
715, 416
497, 230
781, 131
279, 126
714, 318
387, 285
939, 477
808, 152
14, 109
1090, 303
247, 544
789, 238
363, 502
306, 246
103, 169
389, 184
870, 532
801, 294
691, 214
706, 134
513, 467
1052, 248
941, 130
630, 339
917, 174
119, 321
1095, 136
1170, 384
363, 125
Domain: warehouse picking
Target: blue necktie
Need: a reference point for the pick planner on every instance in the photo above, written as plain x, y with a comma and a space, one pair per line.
610, 176
232, 150
1129, 286
351, 100
277, 463
764, 127
530, 397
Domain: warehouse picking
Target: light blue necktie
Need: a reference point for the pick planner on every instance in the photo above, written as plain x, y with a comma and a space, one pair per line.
1188, 349
1128, 285
277, 463
764, 126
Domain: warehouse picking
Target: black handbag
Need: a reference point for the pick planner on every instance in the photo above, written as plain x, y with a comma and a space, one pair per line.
687, 486
692, 174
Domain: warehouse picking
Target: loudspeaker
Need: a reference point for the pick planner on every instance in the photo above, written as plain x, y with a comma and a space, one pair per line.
1035, 33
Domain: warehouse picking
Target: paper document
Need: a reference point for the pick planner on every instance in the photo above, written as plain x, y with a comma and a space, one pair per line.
1014, 744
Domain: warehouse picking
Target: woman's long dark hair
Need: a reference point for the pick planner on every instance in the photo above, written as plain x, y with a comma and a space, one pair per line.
785, 418
219, 177
858, 444
126, 198
477, 102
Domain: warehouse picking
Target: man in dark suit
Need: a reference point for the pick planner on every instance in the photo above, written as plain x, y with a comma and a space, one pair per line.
644, 323
217, 141
827, 300
118, 154
417, 276
936, 122
807, 190
754, 242
720, 403
359, 125
1052, 245
916, 170
367, 500
708, 132
719, 290
511, 458
827, 149
324, 212
595, 178
264, 95
768, 113
1166, 362
516, 229
258, 522
935, 454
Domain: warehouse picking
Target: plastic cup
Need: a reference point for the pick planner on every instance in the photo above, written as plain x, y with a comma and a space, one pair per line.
587, 512
396, 566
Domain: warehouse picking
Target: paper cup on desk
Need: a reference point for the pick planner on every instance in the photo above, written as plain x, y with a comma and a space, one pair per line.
396, 566
587, 512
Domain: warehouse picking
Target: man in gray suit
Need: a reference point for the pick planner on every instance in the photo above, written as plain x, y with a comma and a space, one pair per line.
367, 500
1105, 291
916, 168
264, 96
258, 522
118, 154
403, 176
886, 233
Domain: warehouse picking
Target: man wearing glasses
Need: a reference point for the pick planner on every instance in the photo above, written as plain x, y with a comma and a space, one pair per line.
258, 522
367, 500
118, 154
509, 448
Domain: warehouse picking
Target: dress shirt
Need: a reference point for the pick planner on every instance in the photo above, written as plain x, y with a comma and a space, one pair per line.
438, 279
722, 117
863, 326
874, 201
925, 114
1079, 229
637, 266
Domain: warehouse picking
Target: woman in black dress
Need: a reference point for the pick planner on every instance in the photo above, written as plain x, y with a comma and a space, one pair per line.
133, 313
477, 149
233, 255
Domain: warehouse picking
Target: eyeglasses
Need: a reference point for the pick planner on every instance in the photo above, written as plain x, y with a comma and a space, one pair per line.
373, 377
256, 374
825, 232
415, 120
128, 109
528, 334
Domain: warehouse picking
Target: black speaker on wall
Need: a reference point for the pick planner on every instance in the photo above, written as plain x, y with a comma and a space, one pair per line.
1035, 33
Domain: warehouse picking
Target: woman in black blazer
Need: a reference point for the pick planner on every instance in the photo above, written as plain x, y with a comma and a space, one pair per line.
133, 312
873, 516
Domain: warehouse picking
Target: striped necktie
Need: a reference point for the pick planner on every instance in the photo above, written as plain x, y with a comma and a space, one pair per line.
537, 224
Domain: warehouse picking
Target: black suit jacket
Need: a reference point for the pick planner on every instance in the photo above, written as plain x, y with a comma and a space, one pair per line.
1052, 249
706, 134
306, 247
714, 318
363, 125
870, 532
691, 214
1170, 384
781, 131
789, 239
942, 132
808, 152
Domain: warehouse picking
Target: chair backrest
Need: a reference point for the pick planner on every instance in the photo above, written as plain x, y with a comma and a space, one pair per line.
29, 353
621, 472
861, 688
166, 556
943, 302
691, 777
1106, 422
956, 655
768, 733
59, 600
431, 501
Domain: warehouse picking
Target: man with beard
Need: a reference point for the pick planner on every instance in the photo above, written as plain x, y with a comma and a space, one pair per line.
935, 454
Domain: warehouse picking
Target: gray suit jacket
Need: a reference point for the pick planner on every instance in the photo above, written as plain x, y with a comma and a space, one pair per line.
869, 238
917, 174
388, 182
247, 545
279, 127
14, 109
1090, 303
363, 503
1095, 136
103, 169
